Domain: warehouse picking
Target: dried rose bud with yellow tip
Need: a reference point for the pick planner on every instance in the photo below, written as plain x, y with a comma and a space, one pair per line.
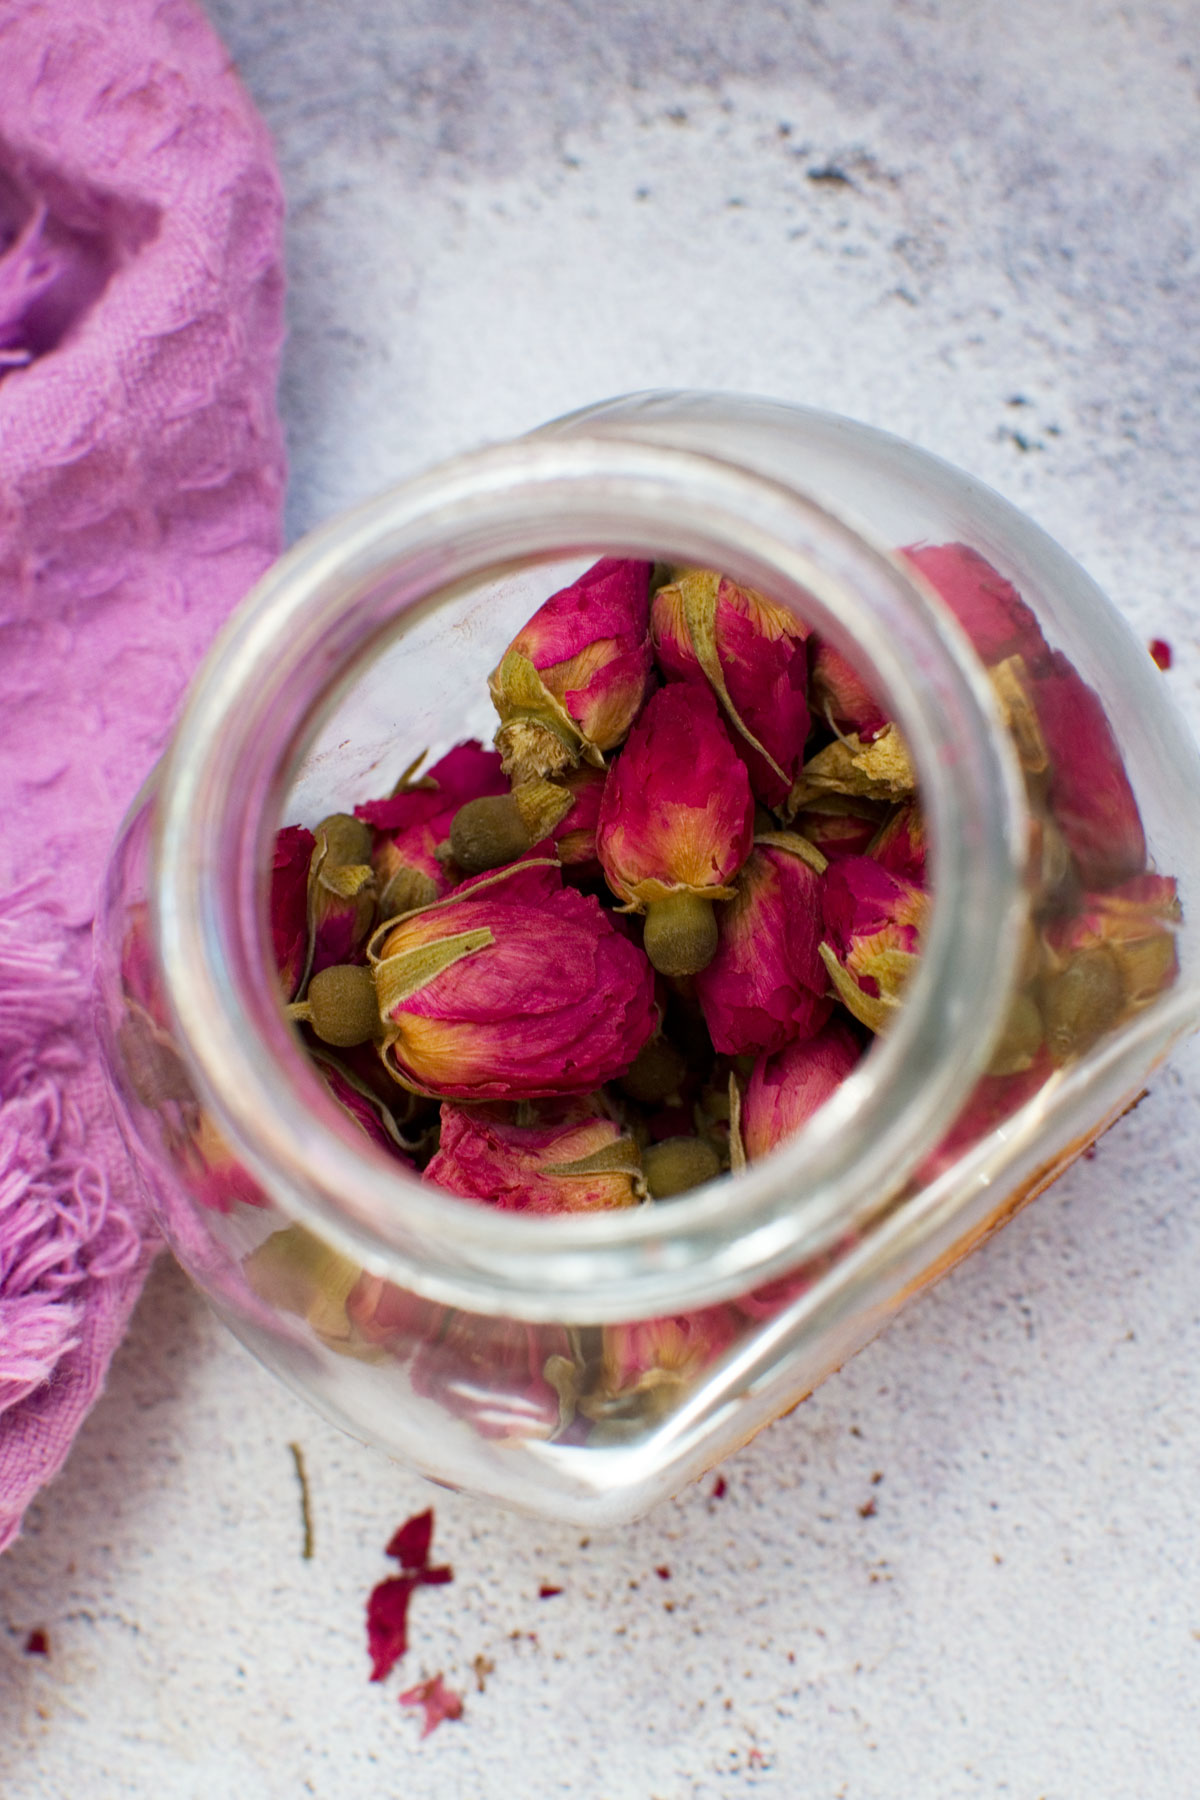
573, 680
341, 891
841, 697
676, 825
707, 629
648, 1362
1113, 957
412, 825
513, 987
785, 1090
767, 984
583, 1165
873, 925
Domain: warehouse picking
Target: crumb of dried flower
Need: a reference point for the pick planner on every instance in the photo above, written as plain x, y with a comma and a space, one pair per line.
438, 1701
306, 1549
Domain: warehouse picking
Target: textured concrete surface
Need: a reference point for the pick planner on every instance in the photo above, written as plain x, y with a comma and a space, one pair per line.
976, 226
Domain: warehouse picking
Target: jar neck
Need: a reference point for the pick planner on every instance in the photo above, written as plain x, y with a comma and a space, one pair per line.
319, 613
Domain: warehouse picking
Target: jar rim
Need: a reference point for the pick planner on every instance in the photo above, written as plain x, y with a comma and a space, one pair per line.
333, 597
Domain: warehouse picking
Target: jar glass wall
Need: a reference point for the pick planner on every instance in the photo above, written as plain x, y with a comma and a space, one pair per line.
587, 1365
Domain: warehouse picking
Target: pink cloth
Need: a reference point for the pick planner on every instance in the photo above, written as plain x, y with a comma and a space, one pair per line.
141, 478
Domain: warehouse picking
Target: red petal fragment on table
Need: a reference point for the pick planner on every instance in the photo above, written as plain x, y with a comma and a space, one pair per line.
720, 1488
438, 1701
37, 1643
662, 1571
1089, 793
289, 904
387, 1623
547, 1591
677, 810
437, 1576
1162, 653
988, 607
410, 1543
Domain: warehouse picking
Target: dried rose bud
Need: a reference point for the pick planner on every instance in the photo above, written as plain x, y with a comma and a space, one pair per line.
574, 834
841, 697
880, 770
840, 825
899, 846
573, 679
371, 1115
341, 891
412, 825
1088, 795
767, 984
210, 1170
297, 1272
584, 1165
513, 986
648, 1362
673, 1165
786, 1089
1113, 957
989, 608
676, 824
289, 904
340, 1005
706, 628
873, 924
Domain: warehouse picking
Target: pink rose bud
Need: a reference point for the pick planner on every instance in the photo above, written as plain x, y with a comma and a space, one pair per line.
988, 607
514, 986
873, 924
785, 1090
840, 825
1089, 795
573, 679
341, 892
705, 628
289, 904
899, 845
646, 1364
676, 824
574, 836
583, 1165
841, 697
1113, 957
767, 984
364, 1109
415, 822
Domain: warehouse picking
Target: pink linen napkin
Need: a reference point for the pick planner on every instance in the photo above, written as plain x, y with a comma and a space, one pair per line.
141, 480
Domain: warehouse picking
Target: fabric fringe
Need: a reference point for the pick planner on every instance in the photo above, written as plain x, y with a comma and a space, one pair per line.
57, 1229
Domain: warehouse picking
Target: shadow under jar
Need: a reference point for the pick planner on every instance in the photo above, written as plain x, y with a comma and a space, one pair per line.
587, 1365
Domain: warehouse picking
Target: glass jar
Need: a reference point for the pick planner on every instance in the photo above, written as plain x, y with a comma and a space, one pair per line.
586, 1366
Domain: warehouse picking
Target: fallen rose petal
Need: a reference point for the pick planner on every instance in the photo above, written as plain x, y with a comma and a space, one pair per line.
439, 1702
410, 1543
387, 1623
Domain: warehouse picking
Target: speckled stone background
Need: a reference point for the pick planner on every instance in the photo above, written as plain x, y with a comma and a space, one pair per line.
975, 225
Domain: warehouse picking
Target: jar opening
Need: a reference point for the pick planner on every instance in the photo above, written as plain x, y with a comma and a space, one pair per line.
379, 583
